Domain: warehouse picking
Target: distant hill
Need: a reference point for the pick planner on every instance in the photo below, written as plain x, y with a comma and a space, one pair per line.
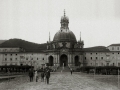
1, 41
29, 46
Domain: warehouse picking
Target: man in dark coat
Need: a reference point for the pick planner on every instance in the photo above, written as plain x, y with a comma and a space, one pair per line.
42, 76
47, 75
31, 74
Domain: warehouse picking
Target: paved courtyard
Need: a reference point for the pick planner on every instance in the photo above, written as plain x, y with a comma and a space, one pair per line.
58, 81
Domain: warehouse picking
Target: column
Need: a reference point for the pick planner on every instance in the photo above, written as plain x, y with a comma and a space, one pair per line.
70, 58
47, 59
53, 59
57, 58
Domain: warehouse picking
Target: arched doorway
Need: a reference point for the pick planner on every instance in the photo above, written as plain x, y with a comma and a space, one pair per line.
63, 60
76, 61
50, 60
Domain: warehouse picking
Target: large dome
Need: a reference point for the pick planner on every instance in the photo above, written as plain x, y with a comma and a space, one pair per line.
64, 35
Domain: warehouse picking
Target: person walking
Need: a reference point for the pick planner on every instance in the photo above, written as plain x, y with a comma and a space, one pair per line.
42, 76
36, 76
47, 76
31, 74
71, 71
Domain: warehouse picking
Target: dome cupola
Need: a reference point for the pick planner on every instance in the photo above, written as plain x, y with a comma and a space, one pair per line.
64, 34
64, 22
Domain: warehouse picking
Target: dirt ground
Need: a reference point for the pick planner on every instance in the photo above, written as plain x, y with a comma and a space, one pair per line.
63, 81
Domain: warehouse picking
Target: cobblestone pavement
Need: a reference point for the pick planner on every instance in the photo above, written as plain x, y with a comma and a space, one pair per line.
58, 81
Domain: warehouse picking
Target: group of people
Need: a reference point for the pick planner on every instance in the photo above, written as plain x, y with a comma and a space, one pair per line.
45, 75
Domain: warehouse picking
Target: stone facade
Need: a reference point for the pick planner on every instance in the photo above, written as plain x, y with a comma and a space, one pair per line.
63, 50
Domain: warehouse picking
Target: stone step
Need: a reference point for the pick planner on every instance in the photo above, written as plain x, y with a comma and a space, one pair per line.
63, 69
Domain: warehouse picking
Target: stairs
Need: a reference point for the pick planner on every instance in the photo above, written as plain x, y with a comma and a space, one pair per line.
65, 69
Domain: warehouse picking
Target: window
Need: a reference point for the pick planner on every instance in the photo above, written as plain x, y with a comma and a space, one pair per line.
91, 58
85, 58
112, 53
101, 64
96, 53
16, 54
101, 57
91, 53
96, 64
117, 48
112, 48
26, 58
11, 59
107, 64
112, 57
5, 59
91, 64
5, 54
113, 64
96, 58
11, 54
16, 58
119, 64
118, 53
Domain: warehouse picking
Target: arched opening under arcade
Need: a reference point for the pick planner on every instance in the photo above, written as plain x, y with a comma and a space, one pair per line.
63, 60
50, 60
76, 61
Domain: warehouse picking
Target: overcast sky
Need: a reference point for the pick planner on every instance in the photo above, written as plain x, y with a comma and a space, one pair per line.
32, 20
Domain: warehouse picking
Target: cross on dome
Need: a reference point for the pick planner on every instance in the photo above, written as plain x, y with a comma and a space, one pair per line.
64, 12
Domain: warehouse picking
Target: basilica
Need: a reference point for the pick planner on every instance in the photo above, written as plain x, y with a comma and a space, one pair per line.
63, 50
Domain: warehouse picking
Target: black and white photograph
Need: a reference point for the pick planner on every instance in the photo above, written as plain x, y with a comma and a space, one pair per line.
59, 44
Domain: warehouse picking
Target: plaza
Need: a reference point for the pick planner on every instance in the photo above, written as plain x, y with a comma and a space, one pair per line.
63, 81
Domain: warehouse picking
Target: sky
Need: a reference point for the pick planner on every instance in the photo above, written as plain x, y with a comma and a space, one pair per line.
32, 20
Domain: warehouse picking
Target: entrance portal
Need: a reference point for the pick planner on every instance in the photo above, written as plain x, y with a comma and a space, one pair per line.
63, 60
50, 61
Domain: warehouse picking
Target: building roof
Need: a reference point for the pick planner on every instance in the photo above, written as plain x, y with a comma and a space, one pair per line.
64, 35
96, 49
114, 45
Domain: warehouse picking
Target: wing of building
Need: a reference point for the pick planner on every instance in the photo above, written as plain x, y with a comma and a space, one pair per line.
64, 49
